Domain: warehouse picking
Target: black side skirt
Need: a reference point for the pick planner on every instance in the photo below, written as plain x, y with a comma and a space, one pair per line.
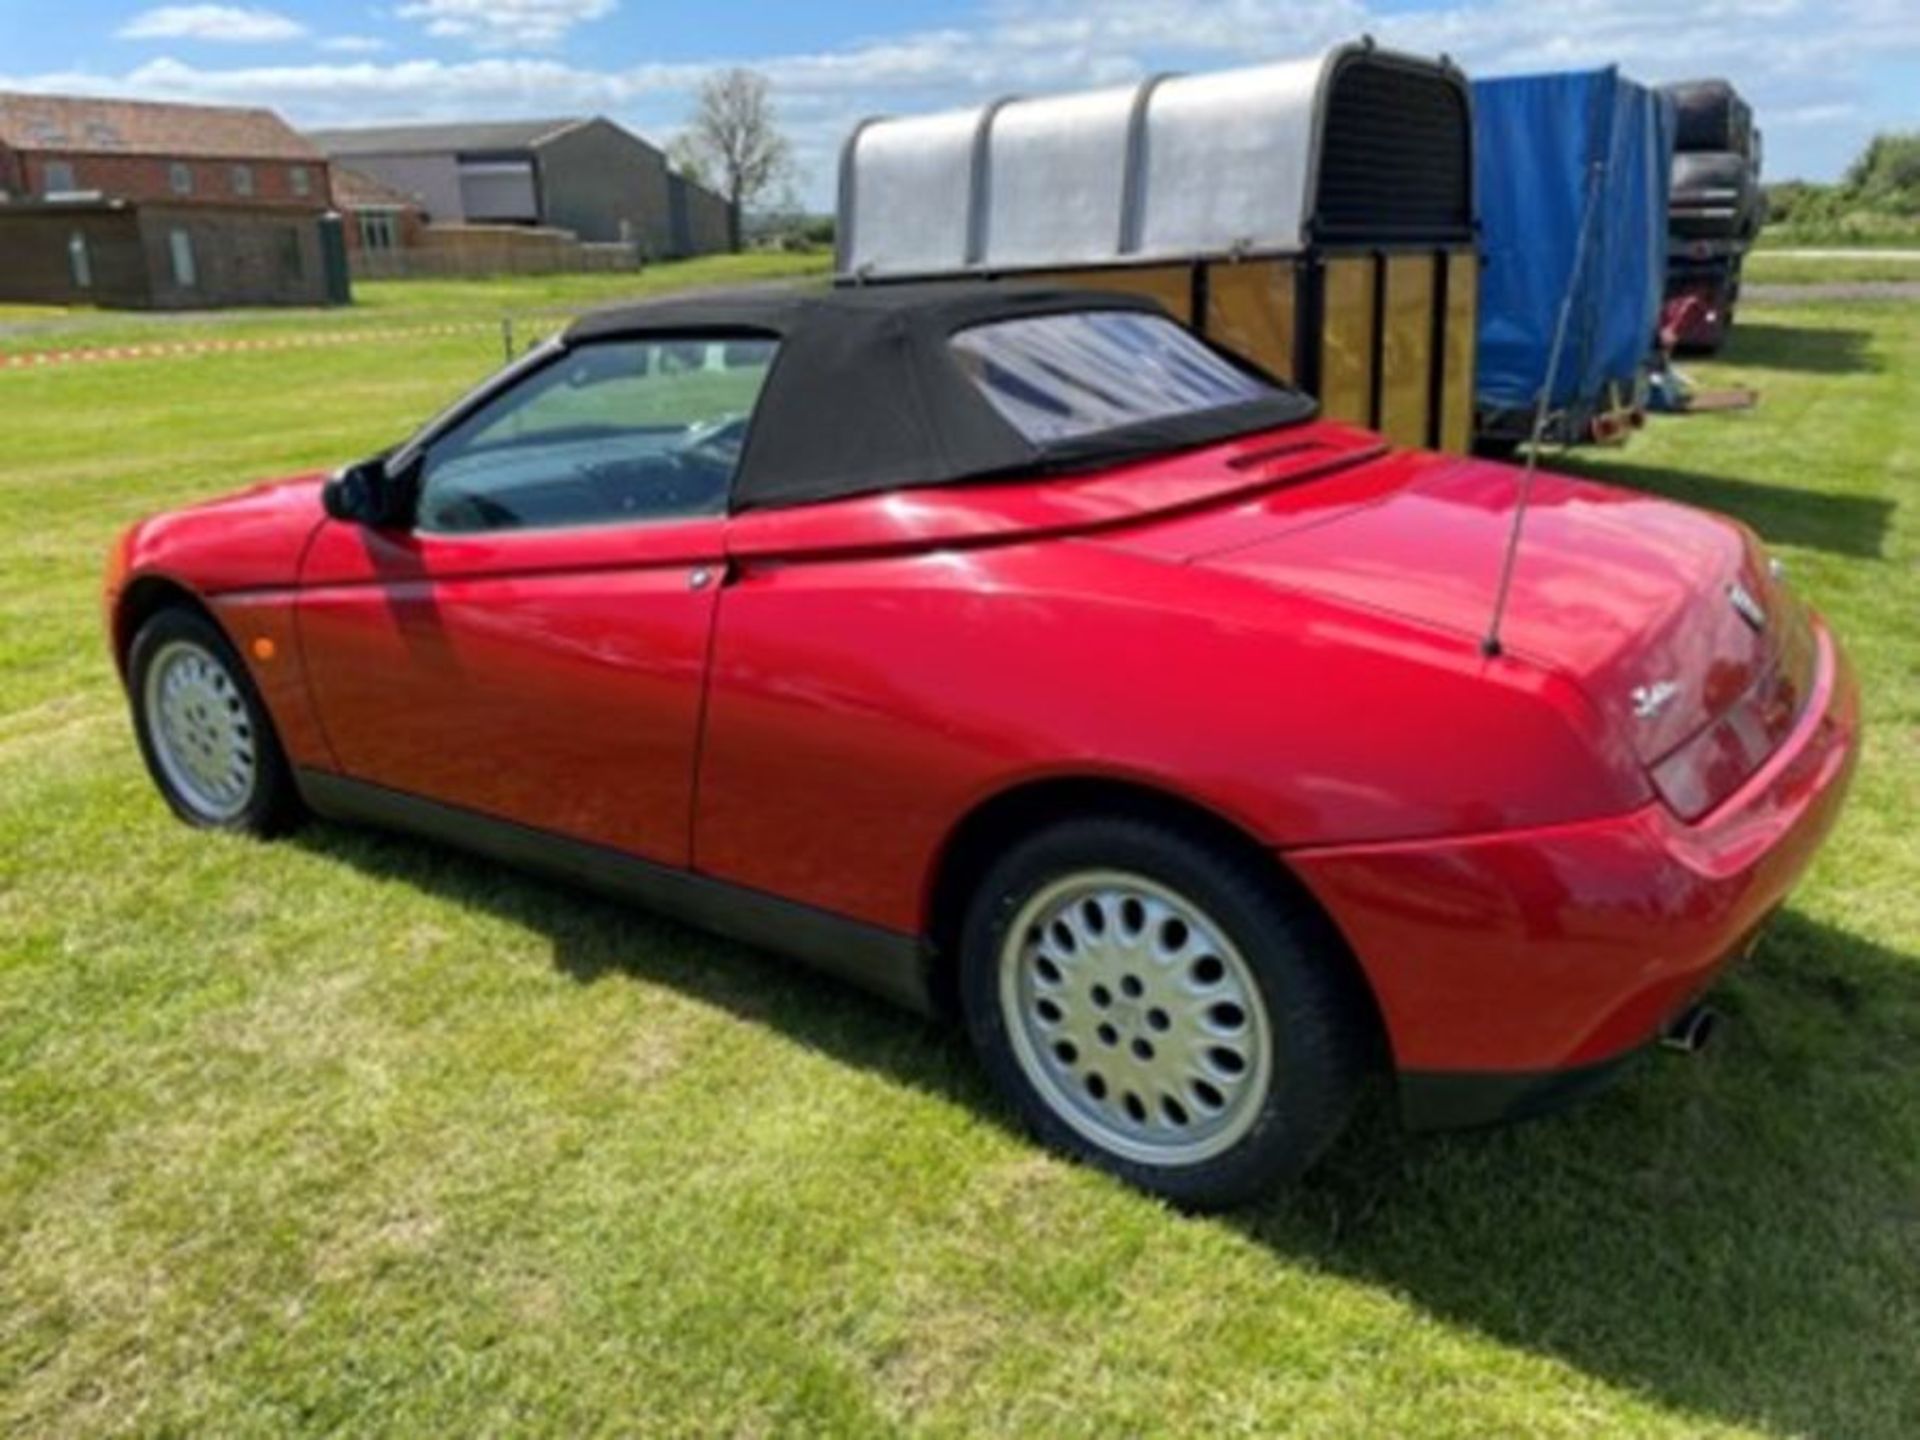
893, 965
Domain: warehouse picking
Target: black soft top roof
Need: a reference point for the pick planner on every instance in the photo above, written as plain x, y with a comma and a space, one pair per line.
865, 394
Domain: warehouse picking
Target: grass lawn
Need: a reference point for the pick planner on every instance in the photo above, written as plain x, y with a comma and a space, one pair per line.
351, 1133
535, 302
1890, 233
1770, 267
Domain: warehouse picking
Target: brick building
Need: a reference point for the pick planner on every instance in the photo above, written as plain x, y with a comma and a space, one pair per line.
157, 255
132, 203
378, 216
59, 146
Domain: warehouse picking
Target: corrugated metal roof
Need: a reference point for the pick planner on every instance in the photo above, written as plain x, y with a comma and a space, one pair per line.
145, 127
1170, 165
1226, 163
474, 135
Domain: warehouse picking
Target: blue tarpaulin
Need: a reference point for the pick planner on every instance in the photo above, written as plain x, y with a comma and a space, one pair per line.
1552, 152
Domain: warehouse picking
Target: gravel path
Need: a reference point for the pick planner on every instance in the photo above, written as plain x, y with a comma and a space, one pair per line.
1831, 290
1841, 253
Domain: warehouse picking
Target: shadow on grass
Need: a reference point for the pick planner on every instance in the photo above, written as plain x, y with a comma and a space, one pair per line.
1854, 525
1819, 349
1730, 1235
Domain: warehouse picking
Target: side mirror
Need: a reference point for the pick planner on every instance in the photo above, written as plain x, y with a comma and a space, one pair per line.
366, 493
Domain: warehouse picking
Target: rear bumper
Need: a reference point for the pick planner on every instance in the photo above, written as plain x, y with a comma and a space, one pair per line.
1468, 1099
1523, 964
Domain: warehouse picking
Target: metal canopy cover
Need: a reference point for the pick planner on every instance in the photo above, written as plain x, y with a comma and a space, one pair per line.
1174, 166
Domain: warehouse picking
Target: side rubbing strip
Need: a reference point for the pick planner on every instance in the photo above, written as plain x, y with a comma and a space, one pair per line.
979, 181
1309, 308
1133, 186
1437, 351
1379, 348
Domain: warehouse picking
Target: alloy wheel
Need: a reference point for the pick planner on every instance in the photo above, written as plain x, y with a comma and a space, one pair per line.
1136, 1017
200, 729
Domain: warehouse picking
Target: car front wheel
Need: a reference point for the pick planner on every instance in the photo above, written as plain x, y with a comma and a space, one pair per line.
1156, 1005
203, 732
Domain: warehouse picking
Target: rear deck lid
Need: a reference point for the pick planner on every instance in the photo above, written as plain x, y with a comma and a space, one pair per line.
1664, 615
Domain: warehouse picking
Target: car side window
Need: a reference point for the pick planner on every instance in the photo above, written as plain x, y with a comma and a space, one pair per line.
610, 432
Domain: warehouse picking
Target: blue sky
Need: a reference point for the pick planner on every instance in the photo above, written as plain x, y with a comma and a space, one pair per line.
1823, 74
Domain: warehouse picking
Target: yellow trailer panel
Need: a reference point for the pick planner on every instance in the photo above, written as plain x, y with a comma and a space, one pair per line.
1171, 285
1406, 348
1346, 339
1458, 346
1251, 310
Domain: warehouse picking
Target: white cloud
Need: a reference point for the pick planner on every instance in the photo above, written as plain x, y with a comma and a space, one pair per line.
1811, 115
1805, 63
504, 24
227, 24
353, 44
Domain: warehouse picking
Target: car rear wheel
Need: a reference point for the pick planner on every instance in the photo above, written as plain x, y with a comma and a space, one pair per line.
1155, 1004
205, 736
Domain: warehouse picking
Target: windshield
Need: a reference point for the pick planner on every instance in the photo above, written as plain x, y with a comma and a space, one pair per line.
1058, 377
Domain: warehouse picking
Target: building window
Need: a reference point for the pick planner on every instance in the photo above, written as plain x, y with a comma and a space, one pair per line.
180, 177
79, 261
57, 178
379, 230
302, 181
293, 260
243, 180
180, 247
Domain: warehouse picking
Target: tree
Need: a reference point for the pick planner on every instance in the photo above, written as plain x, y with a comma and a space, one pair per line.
732, 144
1886, 176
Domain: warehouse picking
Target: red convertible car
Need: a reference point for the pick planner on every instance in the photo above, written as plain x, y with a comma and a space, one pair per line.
1020, 655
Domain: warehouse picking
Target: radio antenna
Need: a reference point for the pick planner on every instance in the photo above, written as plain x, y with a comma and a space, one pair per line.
1490, 643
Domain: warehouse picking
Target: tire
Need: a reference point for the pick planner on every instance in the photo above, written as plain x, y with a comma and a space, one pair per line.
1173, 941
1710, 115
1701, 183
207, 739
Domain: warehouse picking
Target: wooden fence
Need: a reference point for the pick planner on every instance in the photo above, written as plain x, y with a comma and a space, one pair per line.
463, 251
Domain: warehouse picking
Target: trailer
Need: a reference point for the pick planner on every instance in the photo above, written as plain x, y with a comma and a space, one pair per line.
1573, 173
1315, 216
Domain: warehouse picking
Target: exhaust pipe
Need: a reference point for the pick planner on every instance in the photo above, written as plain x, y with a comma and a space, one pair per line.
1691, 1029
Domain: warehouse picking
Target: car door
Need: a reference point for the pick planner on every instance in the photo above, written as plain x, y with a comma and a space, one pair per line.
533, 645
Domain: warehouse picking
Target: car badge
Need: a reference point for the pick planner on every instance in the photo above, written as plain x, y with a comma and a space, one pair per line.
1650, 700
1748, 607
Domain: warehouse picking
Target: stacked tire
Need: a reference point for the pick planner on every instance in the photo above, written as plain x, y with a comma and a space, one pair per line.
1710, 115
1715, 196
1715, 206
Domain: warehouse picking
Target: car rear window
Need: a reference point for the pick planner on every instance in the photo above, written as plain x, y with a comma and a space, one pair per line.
1058, 377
